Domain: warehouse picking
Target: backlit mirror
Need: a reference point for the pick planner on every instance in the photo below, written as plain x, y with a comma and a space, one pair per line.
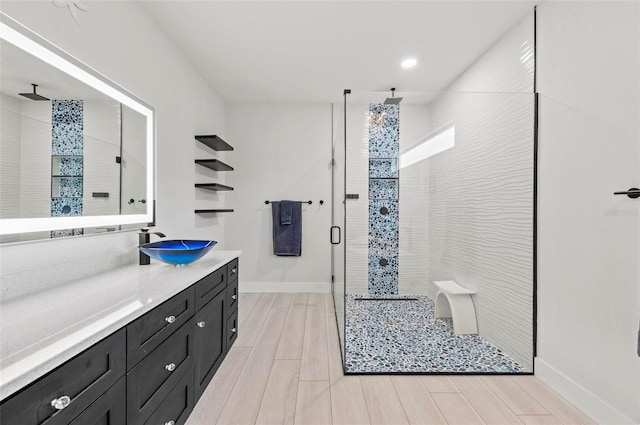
76, 150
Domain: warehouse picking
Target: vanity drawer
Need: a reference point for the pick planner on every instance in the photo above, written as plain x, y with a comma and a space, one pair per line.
154, 377
109, 409
232, 270
178, 404
210, 286
149, 331
76, 384
232, 329
232, 297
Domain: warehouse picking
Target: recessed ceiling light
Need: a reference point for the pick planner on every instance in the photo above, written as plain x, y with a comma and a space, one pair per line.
408, 63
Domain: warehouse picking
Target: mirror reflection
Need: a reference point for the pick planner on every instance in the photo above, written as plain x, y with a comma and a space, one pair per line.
67, 149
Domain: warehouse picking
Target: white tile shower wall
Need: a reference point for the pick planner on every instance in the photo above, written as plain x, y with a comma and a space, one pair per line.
35, 152
10, 135
414, 217
281, 152
480, 198
185, 105
35, 171
480, 211
101, 146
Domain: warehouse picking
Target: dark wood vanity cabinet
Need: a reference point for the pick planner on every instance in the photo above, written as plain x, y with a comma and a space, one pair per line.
60, 396
214, 335
152, 371
232, 303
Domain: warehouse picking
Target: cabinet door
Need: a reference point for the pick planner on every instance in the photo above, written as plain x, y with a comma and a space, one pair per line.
149, 383
109, 409
210, 338
63, 394
149, 331
175, 409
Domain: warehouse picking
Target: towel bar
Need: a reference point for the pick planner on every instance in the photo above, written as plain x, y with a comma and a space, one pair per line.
302, 202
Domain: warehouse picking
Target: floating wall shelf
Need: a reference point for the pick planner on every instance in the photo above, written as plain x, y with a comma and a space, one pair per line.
214, 164
215, 143
212, 211
213, 186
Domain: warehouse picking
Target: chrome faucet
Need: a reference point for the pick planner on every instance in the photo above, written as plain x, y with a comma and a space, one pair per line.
144, 237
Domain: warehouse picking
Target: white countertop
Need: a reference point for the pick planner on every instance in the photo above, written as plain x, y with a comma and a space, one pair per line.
40, 331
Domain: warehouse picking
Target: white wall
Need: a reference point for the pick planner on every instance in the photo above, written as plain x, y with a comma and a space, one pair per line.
281, 151
120, 41
589, 240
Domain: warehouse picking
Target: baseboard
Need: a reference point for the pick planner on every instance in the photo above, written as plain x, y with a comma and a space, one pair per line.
322, 287
595, 407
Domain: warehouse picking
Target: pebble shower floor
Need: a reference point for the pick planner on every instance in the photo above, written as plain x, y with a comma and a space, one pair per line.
404, 336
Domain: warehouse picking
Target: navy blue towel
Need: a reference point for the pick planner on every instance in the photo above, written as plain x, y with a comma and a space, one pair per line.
287, 238
286, 211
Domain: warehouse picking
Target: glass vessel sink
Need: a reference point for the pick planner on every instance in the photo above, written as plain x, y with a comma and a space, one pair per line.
178, 252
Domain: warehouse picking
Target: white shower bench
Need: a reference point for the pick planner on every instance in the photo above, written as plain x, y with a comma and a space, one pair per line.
455, 301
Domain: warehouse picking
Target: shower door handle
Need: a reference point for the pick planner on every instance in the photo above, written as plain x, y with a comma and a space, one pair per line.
332, 233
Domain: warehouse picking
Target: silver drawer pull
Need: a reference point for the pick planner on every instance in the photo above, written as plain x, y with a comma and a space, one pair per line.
60, 403
234, 270
170, 423
201, 324
170, 319
170, 367
234, 297
233, 330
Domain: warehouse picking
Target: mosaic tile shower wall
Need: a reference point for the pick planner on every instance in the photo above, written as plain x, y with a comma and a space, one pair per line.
67, 146
384, 137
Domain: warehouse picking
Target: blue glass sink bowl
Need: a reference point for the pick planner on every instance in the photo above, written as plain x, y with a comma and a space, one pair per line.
178, 252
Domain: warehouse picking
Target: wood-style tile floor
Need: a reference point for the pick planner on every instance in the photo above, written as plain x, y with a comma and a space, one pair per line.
285, 368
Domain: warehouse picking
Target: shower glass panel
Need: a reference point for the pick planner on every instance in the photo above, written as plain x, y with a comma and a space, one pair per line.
435, 199
338, 185
437, 188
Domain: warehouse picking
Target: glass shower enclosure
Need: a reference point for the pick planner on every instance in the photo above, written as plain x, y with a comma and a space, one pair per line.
433, 214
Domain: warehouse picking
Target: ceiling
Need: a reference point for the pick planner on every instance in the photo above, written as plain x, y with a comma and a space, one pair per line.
309, 51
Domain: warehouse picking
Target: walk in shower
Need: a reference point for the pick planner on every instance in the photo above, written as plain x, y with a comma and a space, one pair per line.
439, 187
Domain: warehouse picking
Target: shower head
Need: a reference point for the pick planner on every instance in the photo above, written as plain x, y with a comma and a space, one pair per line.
34, 95
392, 100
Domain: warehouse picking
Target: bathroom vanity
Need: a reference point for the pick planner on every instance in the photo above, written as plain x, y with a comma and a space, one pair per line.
137, 345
